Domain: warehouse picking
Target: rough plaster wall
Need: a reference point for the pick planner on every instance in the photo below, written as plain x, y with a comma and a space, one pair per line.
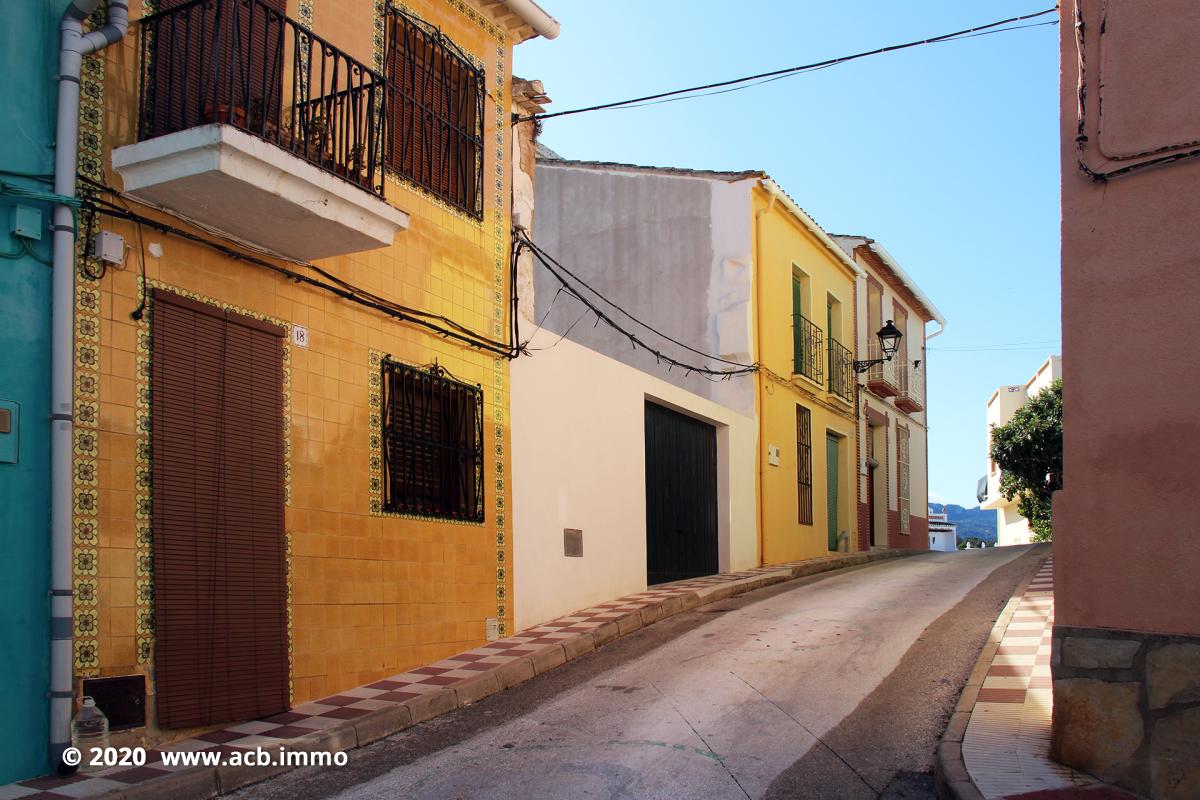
523, 161
730, 297
645, 241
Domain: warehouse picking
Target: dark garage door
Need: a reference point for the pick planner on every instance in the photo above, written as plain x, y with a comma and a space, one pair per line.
681, 496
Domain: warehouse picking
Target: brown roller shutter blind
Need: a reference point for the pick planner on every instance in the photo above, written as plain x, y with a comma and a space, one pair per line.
217, 61
219, 554
435, 101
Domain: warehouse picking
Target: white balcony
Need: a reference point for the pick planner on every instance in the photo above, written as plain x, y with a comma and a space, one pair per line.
257, 191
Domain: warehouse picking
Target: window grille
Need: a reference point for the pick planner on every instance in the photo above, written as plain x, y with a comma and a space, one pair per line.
432, 444
435, 102
804, 464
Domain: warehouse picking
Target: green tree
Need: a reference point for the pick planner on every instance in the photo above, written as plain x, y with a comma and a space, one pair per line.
1029, 451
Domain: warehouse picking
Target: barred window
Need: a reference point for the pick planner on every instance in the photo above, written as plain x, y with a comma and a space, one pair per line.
804, 464
432, 444
435, 113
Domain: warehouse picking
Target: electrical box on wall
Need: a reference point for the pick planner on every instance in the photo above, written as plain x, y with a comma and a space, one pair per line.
10, 419
773, 455
108, 247
26, 222
572, 542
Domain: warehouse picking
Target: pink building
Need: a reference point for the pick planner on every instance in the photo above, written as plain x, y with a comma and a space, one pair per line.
1126, 658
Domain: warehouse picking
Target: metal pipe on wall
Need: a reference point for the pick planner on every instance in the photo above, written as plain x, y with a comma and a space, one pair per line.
74, 45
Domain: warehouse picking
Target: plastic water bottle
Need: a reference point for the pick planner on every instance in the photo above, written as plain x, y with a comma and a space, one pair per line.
89, 729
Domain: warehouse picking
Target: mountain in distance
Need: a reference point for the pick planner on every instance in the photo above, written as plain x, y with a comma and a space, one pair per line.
977, 522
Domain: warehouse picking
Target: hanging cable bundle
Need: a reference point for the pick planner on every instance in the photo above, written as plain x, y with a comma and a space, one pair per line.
567, 281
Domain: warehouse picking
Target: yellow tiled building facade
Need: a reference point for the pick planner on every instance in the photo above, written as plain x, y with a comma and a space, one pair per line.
369, 593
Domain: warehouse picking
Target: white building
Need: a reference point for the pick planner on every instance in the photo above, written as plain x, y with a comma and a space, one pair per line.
1011, 527
626, 473
943, 534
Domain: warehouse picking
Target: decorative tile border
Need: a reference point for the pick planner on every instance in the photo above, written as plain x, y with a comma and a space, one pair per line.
85, 523
375, 443
500, 237
500, 277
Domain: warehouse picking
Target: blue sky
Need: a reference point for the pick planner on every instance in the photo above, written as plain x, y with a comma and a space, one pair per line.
947, 154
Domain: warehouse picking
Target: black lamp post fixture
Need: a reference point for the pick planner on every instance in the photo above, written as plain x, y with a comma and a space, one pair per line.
889, 342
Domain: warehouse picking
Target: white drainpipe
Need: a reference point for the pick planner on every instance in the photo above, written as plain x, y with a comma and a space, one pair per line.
75, 44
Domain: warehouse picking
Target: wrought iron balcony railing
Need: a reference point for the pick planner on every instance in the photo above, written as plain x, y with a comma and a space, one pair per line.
841, 370
882, 378
243, 63
911, 395
807, 352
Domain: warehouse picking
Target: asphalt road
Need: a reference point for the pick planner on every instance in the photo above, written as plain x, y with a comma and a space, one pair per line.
834, 686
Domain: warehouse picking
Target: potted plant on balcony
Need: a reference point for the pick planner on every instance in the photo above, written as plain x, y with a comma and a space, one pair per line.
355, 166
225, 112
316, 137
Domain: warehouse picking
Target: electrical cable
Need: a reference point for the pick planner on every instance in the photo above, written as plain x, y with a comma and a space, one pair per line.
780, 73
553, 267
340, 288
543, 257
815, 69
270, 254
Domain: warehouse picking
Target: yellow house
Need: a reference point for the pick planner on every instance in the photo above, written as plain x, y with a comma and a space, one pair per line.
804, 323
291, 381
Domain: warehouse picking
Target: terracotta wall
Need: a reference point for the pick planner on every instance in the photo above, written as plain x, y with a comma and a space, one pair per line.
1124, 524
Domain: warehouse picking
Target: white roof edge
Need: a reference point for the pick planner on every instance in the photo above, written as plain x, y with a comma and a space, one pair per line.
779, 194
909, 283
534, 16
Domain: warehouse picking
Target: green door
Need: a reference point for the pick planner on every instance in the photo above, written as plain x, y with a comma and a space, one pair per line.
798, 365
831, 481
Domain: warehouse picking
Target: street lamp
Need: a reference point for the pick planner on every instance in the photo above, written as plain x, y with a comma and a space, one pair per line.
889, 342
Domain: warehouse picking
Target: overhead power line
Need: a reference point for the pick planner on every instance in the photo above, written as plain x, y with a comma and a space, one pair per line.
766, 77
566, 279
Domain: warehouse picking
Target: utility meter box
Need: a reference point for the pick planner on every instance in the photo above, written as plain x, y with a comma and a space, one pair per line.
26, 222
10, 425
108, 247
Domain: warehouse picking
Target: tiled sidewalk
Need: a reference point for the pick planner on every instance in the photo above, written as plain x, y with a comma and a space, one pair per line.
358, 716
1006, 743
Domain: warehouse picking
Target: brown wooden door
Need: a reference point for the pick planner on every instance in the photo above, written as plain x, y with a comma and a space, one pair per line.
217, 511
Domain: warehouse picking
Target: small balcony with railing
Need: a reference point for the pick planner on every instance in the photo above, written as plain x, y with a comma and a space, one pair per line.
911, 395
251, 123
808, 351
882, 378
841, 371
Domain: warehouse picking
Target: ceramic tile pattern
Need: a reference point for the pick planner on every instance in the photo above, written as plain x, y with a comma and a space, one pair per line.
1007, 743
350, 704
369, 596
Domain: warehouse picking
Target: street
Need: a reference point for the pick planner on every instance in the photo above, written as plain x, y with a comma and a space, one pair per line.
833, 686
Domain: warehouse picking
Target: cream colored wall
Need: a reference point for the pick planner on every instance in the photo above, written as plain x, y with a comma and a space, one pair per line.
579, 463
1011, 527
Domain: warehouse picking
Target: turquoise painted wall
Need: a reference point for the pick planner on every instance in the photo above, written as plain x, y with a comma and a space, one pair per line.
28, 58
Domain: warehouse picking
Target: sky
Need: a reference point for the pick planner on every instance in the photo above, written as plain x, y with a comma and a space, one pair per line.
946, 154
